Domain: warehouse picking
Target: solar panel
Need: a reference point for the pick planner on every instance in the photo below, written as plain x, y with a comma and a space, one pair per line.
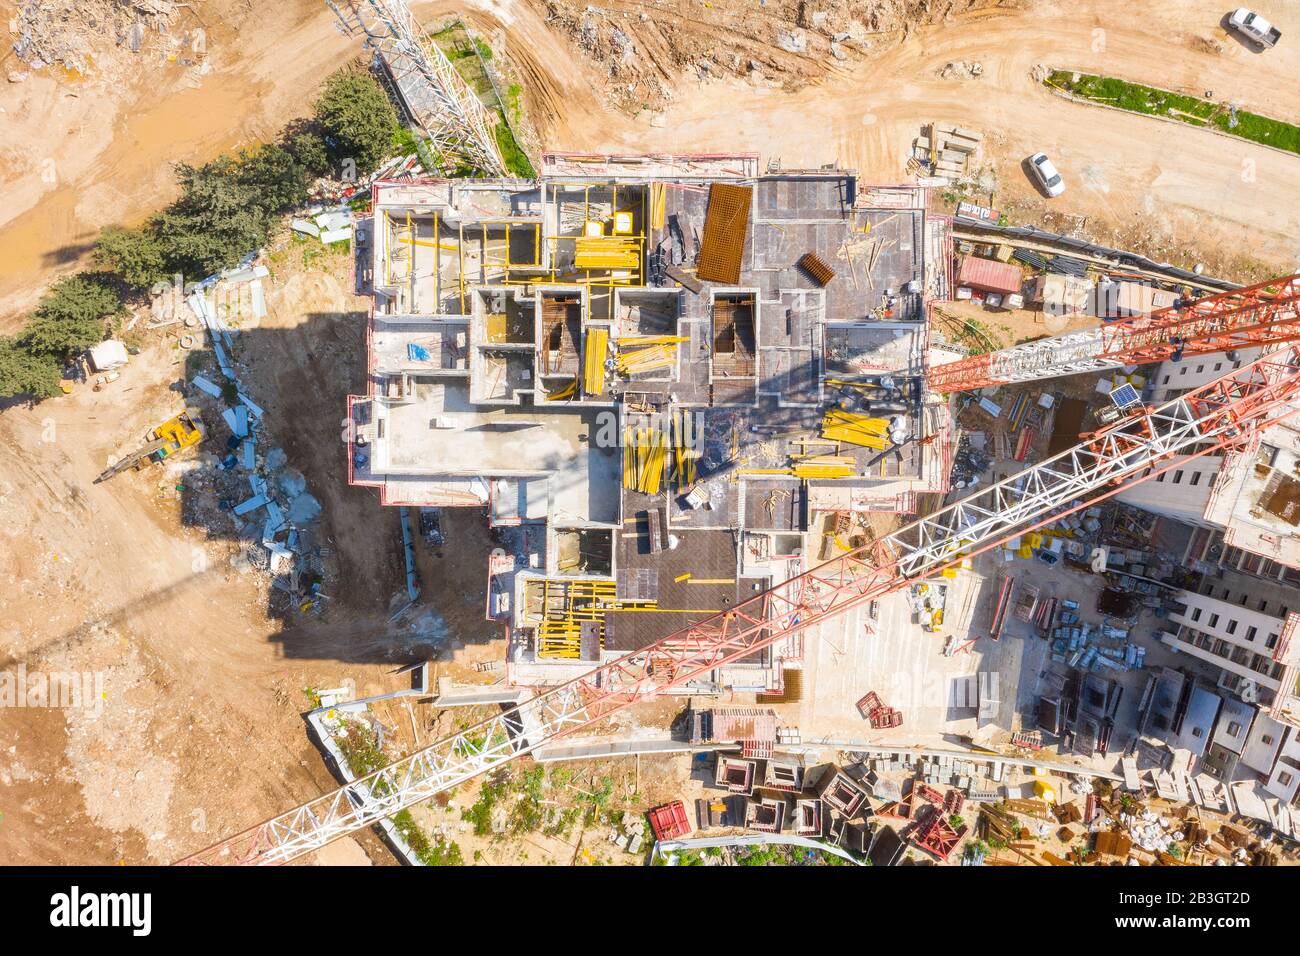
1125, 395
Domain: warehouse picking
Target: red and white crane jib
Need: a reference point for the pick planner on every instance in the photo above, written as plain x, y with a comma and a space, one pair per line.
1256, 316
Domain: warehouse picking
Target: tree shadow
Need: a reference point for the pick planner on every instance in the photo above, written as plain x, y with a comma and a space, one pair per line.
65, 254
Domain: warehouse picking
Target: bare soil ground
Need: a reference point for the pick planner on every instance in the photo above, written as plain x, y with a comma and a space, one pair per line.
201, 734
83, 152
1173, 192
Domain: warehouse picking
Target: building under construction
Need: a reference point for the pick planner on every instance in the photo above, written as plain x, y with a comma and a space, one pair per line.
684, 392
670, 381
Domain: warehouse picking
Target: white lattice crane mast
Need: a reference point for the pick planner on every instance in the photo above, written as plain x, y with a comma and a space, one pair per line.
1266, 315
435, 95
1223, 413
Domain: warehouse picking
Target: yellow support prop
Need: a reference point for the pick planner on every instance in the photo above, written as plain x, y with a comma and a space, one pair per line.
594, 361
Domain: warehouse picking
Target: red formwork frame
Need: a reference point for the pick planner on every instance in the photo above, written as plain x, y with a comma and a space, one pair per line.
669, 821
1260, 315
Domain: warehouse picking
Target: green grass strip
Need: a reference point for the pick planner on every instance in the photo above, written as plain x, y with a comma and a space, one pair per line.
1186, 109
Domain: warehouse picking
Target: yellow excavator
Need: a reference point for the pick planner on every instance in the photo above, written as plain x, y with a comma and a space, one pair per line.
170, 438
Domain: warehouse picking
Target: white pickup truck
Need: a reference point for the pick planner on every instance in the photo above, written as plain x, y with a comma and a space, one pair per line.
1254, 26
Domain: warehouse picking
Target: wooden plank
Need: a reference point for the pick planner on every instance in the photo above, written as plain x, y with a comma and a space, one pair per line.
1031, 808
652, 519
684, 279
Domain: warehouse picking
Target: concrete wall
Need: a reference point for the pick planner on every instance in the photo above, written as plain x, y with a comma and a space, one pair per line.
1232, 624
1181, 493
1266, 738
1172, 378
1284, 781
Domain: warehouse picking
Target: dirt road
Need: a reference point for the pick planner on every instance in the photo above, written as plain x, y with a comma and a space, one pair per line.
78, 157
1171, 186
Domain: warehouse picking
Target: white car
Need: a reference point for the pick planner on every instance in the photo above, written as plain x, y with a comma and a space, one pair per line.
1255, 27
1047, 175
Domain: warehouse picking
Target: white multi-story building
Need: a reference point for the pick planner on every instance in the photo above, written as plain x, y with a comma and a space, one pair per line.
1257, 656
1252, 495
1242, 642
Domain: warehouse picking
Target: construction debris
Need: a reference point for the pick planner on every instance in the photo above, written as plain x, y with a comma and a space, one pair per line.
944, 150
70, 33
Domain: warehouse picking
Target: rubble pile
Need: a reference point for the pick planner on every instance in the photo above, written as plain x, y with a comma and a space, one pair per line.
68, 32
1152, 832
271, 510
787, 43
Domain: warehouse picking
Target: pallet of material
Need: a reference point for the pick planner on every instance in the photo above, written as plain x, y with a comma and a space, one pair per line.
960, 133
1030, 808
959, 149
1112, 844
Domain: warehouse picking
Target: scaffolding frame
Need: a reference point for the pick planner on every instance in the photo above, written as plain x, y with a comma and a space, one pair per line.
542, 271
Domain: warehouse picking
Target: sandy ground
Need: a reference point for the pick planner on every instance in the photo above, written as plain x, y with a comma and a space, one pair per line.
197, 733
80, 155
1171, 189
102, 578
83, 153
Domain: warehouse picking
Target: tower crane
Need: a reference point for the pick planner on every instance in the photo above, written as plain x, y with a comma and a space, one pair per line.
1226, 412
426, 82
1267, 314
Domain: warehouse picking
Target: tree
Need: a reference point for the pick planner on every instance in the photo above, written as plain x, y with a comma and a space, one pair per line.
227, 208
134, 254
72, 315
309, 149
26, 373
273, 177
214, 223
357, 118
